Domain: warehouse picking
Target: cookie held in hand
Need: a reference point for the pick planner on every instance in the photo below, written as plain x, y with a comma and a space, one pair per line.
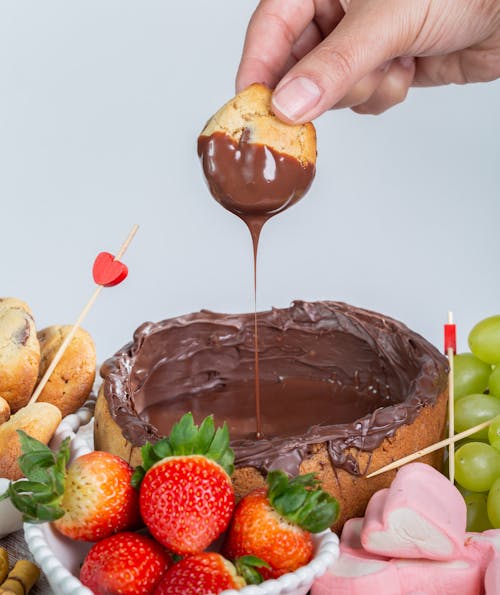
254, 163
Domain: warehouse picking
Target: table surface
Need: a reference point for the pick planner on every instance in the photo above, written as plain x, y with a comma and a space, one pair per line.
18, 550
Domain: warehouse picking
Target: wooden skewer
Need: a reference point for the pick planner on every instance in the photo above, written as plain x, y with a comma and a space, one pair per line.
451, 409
83, 314
431, 448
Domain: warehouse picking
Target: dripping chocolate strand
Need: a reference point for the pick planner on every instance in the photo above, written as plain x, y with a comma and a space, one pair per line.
255, 183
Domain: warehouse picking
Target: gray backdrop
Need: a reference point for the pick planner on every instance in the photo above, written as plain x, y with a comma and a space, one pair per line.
100, 107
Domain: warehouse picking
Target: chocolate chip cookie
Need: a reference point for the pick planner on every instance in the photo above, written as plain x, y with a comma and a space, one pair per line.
72, 379
19, 352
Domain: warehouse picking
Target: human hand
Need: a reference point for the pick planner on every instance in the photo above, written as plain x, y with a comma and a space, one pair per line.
319, 56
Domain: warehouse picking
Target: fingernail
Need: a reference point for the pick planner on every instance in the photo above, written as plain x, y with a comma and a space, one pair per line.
296, 97
407, 61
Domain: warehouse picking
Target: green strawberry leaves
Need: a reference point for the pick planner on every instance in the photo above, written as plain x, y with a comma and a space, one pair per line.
247, 567
186, 438
301, 501
39, 497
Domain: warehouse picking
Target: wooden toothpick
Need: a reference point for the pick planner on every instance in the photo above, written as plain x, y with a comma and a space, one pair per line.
431, 448
450, 352
76, 325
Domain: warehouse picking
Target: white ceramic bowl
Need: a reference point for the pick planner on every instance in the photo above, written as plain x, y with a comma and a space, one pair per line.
10, 518
60, 559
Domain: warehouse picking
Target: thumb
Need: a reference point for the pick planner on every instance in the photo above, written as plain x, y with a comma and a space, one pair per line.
371, 33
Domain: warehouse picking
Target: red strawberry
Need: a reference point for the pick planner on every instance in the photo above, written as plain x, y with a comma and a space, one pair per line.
125, 563
276, 523
207, 573
186, 496
91, 499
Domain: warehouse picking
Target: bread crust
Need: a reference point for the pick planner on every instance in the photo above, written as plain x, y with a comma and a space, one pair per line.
353, 492
251, 111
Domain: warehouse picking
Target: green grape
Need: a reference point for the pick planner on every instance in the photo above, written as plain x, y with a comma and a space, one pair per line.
466, 441
463, 491
493, 504
494, 382
477, 465
470, 375
474, 409
477, 512
484, 340
494, 433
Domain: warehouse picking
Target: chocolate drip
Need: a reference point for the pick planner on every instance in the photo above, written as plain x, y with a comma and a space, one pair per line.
330, 373
254, 182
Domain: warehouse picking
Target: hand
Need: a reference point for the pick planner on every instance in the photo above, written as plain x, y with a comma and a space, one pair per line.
319, 56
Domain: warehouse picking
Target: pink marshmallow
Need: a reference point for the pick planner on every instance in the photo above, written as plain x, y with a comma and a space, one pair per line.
422, 515
490, 536
492, 577
350, 541
350, 575
481, 548
434, 577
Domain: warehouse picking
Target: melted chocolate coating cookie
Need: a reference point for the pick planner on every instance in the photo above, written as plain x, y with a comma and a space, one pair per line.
255, 165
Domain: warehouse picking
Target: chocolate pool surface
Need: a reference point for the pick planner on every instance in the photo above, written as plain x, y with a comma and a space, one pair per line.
329, 373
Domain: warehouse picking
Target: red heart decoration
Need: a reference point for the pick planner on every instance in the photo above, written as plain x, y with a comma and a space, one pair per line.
107, 271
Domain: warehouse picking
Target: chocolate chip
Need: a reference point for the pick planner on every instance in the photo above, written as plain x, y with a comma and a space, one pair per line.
21, 336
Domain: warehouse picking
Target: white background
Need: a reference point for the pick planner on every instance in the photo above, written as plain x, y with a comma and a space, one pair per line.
100, 106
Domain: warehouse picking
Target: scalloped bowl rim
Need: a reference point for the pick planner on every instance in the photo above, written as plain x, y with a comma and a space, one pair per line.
64, 582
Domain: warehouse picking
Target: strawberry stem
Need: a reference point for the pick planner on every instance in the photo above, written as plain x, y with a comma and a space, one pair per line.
247, 567
39, 498
186, 438
302, 501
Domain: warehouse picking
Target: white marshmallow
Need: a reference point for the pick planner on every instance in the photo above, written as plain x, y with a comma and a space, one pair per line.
457, 577
492, 577
422, 515
350, 575
350, 541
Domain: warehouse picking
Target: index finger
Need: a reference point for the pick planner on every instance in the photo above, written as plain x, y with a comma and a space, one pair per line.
273, 29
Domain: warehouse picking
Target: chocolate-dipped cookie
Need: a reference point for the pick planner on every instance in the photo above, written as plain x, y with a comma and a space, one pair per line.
255, 164
72, 379
19, 352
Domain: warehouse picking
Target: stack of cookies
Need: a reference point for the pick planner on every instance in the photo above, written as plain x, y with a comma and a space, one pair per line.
25, 355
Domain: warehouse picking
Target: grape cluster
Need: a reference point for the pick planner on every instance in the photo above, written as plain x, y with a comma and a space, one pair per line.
477, 399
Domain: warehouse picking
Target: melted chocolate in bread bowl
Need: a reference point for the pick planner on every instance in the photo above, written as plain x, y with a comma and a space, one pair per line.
331, 373
254, 182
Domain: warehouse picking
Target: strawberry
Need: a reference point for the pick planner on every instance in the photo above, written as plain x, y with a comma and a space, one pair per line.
207, 573
186, 496
275, 523
91, 499
125, 563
